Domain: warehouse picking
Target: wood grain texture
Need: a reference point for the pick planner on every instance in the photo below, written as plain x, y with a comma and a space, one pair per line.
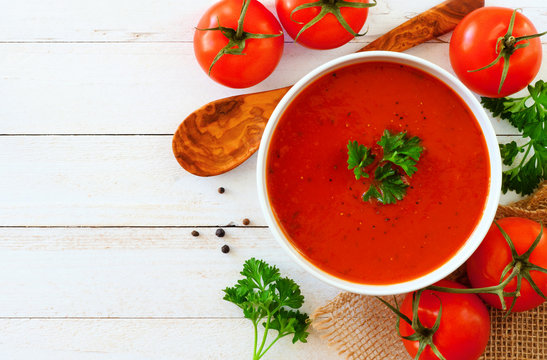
223, 134
433, 23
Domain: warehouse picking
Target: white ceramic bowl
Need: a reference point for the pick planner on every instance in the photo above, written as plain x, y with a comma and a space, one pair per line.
493, 191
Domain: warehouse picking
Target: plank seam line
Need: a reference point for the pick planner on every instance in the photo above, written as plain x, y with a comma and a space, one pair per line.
83, 135
433, 41
113, 135
131, 226
121, 318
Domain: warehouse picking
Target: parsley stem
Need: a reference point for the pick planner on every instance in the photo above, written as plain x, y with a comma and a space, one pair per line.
269, 346
256, 338
265, 337
526, 154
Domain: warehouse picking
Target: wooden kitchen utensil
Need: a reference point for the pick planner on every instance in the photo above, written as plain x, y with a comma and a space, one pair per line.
224, 133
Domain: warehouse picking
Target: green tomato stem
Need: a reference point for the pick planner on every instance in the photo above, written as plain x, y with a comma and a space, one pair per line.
330, 7
239, 30
497, 290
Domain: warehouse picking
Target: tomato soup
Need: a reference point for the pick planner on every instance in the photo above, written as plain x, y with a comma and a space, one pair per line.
318, 202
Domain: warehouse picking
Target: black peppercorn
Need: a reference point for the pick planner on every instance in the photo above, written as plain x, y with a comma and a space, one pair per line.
221, 190
225, 249
195, 233
220, 233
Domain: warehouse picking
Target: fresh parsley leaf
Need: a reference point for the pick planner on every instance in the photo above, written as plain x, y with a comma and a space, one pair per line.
390, 186
372, 193
359, 157
529, 115
291, 322
401, 150
509, 152
265, 297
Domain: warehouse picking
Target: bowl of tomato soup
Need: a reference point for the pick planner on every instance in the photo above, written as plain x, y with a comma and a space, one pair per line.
314, 204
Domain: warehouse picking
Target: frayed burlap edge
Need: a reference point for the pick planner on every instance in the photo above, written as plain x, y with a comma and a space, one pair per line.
362, 328
533, 207
359, 327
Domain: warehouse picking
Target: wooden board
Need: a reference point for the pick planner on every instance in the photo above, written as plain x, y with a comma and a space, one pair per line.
96, 256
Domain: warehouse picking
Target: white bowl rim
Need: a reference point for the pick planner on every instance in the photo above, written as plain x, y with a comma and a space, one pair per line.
492, 199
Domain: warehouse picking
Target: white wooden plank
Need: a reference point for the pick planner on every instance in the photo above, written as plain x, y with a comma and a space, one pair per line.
115, 181
105, 180
168, 20
133, 88
188, 339
116, 88
119, 272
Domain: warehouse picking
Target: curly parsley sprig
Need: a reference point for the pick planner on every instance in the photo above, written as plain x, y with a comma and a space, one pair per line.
529, 117
399, 152
264, 296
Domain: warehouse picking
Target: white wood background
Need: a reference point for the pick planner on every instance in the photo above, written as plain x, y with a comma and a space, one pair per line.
96, 257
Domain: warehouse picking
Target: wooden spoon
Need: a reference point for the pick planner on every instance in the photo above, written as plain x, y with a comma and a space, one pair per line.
224, 133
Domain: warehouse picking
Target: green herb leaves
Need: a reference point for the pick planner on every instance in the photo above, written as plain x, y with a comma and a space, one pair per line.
399, 152
359, 157
264, 296
529, 117
389, 188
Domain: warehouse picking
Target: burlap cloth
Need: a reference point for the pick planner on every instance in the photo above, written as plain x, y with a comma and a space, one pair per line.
360, 327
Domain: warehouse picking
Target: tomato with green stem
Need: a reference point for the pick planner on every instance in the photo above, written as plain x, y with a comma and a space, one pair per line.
323, 24
495, 51
438, 325
238, 43
512, 243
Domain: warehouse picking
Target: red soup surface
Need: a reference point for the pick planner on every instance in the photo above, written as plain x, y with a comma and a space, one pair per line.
317, 201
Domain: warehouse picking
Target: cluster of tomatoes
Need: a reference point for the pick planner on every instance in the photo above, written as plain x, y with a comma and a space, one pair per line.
494, 51
517, 268
261, 55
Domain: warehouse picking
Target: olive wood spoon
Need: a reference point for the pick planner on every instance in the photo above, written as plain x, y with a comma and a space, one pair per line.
224, 133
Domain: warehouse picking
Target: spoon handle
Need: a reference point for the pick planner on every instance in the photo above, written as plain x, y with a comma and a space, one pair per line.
428, 25
224, 133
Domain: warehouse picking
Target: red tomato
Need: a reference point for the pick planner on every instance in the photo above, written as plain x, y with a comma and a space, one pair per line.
465, 323
485, 266
473, 46
328, 33
261, 56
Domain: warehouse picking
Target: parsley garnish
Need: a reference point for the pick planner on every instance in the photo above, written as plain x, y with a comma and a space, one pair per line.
264, 296
529, 118
388, 184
